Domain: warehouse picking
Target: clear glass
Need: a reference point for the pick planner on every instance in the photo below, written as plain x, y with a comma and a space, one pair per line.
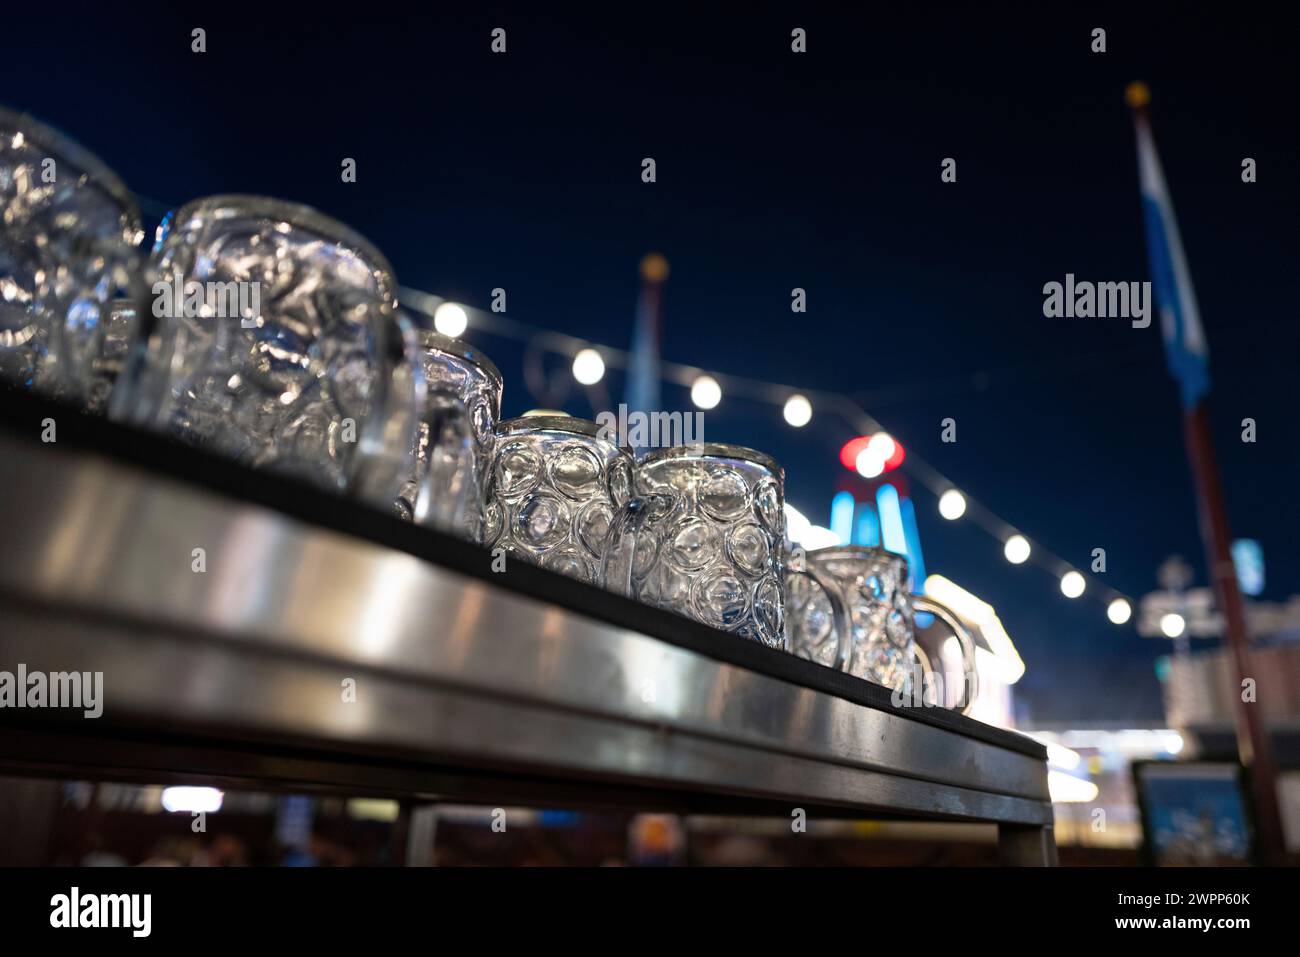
445, 489
873, 586
554, 487
304, 365
120, 335
705, 539
69, 246
813, 619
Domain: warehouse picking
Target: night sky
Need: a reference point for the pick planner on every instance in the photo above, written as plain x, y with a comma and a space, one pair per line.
821, 171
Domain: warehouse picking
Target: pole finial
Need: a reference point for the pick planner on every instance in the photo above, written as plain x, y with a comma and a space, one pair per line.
1137, 95
654, 268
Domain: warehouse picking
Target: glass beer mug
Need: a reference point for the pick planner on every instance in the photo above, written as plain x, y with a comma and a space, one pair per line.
855, 612
69, 238
274, 339
705, 537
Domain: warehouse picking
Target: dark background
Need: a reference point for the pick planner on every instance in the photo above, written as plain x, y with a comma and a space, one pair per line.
778, 170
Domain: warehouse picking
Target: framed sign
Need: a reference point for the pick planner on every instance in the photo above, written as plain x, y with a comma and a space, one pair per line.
1194, 813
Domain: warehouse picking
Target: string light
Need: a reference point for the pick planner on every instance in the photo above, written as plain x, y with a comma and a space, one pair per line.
1072, 585
870, 462
952, 505
798, 411
1016, 549
451, 320
588, 367
706, 393
1119, 611
1172, 625
882, 445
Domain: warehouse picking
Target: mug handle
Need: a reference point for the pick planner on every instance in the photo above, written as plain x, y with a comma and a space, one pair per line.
840, 618
619, 548
447, 489
137, 396
963, 636
927, 669
386, 446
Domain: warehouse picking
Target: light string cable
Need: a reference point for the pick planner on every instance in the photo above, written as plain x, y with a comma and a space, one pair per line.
777, 394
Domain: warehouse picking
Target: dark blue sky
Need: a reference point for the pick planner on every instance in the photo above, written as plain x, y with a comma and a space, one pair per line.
819, 171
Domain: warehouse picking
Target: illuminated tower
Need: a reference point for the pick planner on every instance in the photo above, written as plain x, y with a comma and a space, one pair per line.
873, 503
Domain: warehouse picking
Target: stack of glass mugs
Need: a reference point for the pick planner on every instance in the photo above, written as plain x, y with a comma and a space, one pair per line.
268, 333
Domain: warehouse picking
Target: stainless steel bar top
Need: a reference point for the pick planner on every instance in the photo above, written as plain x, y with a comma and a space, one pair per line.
235, 612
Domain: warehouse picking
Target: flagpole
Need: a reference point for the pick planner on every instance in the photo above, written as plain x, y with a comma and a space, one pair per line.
642, 391
1253, 744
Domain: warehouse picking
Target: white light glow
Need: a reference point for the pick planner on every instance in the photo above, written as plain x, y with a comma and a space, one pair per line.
588, 367
1119, 611
796, 523
373, 809
1130, 742
951, 648
883, 445
1067, 789
450, 319
952, 504
207, 800
982, 615
819, 536
1059, 756
870, 463
798, 411
1073, 584
804, 533
705, 392
1172, 625
1016, 549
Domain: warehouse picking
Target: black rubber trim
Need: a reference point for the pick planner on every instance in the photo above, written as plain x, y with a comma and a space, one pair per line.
22, 414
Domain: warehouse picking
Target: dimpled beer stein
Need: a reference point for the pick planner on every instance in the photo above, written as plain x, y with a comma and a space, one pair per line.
454, 438
276, 340
69, 238
120, 332
554, 487
704, 537
874, 637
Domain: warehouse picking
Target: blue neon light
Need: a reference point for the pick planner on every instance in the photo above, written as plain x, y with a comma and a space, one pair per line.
891, 520
842, 516
866, 530
914, 557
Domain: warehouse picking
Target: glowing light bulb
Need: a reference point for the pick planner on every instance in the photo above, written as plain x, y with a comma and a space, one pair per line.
1073, 584
1016, 549
869, 463
952, 504
705, 392
588, 367
1119, 611
450, 319
883, 445
798, 411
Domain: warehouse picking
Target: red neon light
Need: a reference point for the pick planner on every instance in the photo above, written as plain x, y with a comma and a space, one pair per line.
852, 449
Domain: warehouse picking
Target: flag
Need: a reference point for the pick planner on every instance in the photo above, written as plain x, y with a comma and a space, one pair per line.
642, 393
1180, 319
